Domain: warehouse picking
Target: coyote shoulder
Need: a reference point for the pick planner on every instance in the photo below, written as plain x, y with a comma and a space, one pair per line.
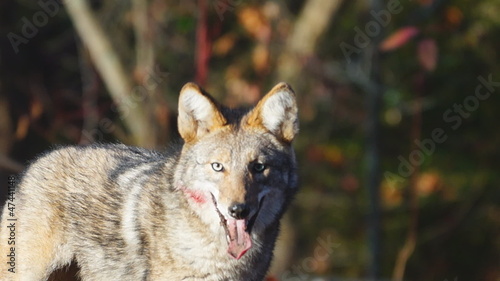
207, 210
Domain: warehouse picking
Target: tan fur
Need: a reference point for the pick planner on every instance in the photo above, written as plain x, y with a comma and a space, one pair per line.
189, 128
208, 210
288, 128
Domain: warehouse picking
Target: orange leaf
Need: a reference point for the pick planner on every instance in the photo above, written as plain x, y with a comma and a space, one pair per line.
260, 58
427, 54
398, 38
23, 125
254, 21
454, 16
428, 183
36, 109
224, 44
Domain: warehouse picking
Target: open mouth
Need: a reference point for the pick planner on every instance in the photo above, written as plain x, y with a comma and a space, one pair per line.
237, 232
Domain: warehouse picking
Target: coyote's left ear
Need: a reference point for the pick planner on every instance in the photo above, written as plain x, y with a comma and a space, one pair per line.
277, 113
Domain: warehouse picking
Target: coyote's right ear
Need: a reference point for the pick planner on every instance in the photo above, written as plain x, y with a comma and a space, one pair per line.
199, 114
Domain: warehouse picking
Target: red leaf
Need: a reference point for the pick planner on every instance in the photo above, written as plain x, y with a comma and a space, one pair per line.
398, 38
427, 52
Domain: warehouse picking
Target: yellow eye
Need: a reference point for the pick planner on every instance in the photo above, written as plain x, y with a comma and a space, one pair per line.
217, 167
259, 167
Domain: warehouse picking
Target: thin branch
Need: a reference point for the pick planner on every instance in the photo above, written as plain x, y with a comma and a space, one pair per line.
144, 37
146, 72
411, 237
111, 70
310, 25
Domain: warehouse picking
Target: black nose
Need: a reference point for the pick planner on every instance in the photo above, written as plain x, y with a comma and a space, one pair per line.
239, 211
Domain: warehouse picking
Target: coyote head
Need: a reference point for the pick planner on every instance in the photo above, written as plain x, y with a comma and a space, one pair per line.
237, 167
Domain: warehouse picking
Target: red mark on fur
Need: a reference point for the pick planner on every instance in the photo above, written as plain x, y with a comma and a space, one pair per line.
197, 196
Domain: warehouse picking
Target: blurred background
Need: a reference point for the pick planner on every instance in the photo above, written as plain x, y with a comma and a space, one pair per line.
399, 145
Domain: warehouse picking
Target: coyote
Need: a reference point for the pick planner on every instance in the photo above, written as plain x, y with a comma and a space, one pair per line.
208, 209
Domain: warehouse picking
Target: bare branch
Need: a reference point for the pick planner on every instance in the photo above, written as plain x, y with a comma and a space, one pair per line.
310, 25
111, 70
144, 36
145, 30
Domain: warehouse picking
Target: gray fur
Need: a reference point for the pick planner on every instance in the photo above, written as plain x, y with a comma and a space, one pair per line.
126, 213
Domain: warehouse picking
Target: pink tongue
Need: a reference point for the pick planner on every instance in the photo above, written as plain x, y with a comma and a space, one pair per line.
240, 240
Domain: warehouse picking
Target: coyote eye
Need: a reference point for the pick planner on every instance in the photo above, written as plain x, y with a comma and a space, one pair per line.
217, 167
258, 167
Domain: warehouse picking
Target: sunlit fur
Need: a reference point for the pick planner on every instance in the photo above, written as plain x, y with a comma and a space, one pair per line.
126, 213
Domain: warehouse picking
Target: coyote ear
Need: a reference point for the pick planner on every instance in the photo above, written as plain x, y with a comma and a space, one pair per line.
277, 113
198, 113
